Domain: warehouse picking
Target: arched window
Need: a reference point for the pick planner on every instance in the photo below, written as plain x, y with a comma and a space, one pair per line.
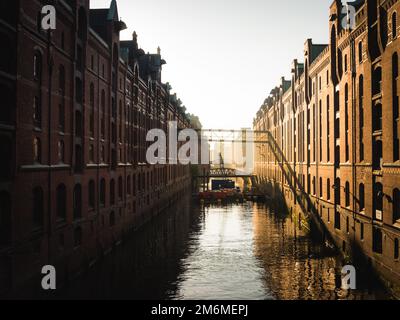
38, 207
92, 192
120, 188
77, 202
78, 237
361, 196
347, 190
112, 219
112, 192
396, 205
394, 25
360, 52
5, 218
103, 192
37, 150
61, 202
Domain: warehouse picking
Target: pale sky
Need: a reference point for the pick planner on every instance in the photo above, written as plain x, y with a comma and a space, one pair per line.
224, 56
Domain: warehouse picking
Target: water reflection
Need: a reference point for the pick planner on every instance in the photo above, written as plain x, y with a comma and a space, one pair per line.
243, 251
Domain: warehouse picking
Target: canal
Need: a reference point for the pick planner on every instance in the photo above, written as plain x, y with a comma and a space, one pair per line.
235, 251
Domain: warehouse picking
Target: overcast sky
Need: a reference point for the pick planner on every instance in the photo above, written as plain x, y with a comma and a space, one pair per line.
224, 56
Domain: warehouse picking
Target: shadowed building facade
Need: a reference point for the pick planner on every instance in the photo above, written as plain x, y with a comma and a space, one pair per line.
77, 104
333, 130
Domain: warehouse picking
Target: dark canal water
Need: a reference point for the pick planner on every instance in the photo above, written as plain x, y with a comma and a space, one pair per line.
240, 251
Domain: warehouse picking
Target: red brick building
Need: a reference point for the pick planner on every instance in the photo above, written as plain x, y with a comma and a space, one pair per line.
334, 131
77, 104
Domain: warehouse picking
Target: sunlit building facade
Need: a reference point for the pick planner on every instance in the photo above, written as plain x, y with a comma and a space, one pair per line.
334, 132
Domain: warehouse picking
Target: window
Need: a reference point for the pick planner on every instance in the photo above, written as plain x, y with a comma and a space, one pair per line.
337, 191
77, 237
37, 150
394, 25
78, 124
396, 205
61, 116
395, 106
377, 155
6, 162
38, 207
361, 195
360, 52
396, 249
362, 231
378, 201
37, 66
61, 80
120, 188
328, 129
361, 115
128, 185
78, 159
61, 151
5, 218
377, 114
112, 219
61, 202
77, 202
103, 192
328, 189
346, 107
91, 116
112, 192
103, 154
92, 193
37, 112
376, 81
320, 188
345, 63
91, 153
103, 114
347, 190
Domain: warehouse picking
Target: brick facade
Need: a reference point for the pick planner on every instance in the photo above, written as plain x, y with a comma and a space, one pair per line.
77, 105
334, 135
